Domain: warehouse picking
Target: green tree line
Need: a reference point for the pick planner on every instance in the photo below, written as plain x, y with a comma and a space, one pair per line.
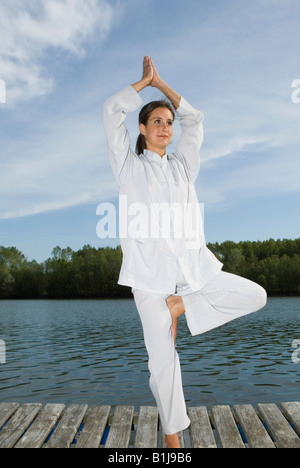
93, 272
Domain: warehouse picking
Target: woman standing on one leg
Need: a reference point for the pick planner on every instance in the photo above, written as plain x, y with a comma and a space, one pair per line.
171, 273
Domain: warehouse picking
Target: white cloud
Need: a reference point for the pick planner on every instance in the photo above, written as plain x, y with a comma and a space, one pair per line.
231, 146
51, 159
29, 29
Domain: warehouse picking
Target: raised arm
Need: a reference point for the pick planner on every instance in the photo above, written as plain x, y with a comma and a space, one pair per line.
191, 138
115, 109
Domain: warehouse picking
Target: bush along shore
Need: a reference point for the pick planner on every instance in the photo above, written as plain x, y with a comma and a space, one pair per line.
93, 272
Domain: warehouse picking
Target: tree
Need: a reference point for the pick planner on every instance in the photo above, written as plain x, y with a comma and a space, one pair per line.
236, 262
92, 272
6, 280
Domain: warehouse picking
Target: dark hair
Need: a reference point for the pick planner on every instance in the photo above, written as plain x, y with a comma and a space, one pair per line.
143, 119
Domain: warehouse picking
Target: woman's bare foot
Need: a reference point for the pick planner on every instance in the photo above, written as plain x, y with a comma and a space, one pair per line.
172, 441
176, 307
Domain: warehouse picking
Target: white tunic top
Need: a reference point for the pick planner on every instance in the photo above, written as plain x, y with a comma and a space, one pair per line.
160, 227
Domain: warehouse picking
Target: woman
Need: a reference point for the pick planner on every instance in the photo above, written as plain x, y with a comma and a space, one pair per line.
167, 264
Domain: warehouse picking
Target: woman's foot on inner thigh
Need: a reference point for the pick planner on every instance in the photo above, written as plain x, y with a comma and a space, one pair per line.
176, 308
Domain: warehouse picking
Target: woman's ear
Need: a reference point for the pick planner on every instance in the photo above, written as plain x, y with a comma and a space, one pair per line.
142, 129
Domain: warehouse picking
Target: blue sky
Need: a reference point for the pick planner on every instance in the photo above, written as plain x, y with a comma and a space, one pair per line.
235, 60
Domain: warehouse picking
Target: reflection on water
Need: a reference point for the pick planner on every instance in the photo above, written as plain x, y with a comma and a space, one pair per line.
93, 351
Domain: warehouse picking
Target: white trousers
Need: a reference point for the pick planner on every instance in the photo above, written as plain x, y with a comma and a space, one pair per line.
223, 299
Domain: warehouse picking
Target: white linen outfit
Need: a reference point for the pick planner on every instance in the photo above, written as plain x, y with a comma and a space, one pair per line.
161, 259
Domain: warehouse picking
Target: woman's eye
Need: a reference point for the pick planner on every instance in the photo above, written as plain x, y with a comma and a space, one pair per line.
159, 122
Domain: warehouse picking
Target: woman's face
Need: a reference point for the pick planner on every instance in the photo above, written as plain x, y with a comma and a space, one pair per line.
158, 131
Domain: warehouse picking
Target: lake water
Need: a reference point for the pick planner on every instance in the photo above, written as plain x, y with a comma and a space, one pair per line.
92, 351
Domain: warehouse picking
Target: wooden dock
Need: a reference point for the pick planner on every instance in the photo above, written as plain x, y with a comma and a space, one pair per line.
78, 426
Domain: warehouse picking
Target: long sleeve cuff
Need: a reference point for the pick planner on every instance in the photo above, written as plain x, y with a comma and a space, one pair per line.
127, 99
186, 109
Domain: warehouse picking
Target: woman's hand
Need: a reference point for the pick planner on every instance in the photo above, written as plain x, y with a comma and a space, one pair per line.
147, 77
151, 78
150, 74
156, 78
148, 71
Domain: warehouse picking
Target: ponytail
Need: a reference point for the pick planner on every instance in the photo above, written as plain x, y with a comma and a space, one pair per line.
140, 144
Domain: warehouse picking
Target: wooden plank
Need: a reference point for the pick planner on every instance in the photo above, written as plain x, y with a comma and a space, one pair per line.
282, 432
181, 439
41, 427
291, 410
226, 427
6, 410
146, 433
255, 433
67, 428
94, 426
120, 430
29, 426
17, 424
200, 429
